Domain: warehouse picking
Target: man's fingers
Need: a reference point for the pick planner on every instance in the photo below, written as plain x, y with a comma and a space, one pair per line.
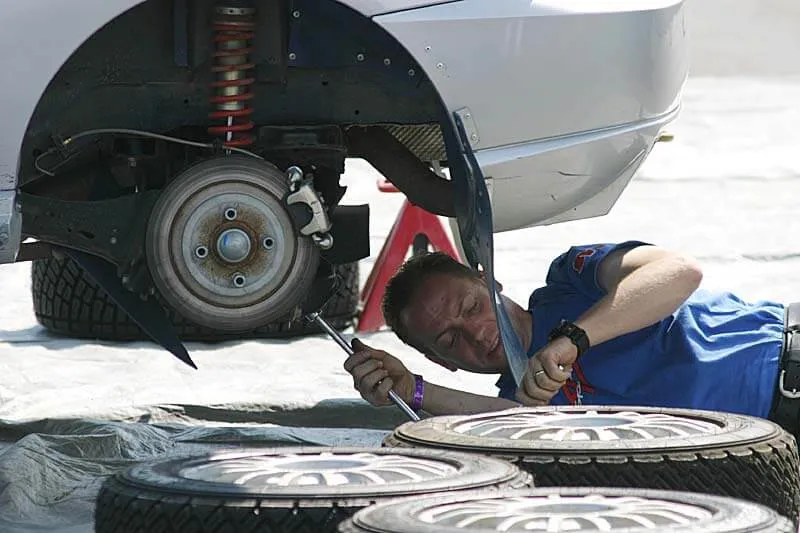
365, 368
545, 382
541, 395
354, 360
369, 381
538, 387
382, 392
532, 388
359, 346
524, 399
555, 371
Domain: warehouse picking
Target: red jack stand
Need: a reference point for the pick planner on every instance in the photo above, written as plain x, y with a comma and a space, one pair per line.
413, 227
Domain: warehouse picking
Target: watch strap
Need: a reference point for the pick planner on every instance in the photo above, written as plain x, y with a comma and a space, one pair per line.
574, 333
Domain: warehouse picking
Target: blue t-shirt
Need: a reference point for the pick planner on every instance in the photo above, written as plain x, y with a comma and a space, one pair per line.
715, 352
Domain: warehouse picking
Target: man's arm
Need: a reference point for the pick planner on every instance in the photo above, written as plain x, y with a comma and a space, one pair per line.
643, 285
440, 401
376, 372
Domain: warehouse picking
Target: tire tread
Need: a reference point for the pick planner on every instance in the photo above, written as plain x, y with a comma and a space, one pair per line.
67, 302
767, 472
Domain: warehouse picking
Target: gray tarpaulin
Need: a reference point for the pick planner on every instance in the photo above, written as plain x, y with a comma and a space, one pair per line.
51, 475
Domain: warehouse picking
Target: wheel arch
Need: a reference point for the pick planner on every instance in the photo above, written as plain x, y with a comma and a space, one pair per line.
68, 27
80, 27
96, 69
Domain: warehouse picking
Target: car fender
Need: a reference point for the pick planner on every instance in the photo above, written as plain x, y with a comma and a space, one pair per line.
50, 32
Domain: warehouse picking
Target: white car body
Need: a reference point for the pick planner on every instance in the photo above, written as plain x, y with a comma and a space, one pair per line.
566, 97
562, 100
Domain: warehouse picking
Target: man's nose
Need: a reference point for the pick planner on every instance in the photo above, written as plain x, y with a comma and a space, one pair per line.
478, 333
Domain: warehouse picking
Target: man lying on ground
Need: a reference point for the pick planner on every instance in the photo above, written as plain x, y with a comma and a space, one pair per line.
626, 322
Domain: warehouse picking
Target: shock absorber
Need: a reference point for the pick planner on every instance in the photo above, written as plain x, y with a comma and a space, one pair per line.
234, 28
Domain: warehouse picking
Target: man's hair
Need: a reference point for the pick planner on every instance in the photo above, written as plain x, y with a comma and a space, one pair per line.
408, 278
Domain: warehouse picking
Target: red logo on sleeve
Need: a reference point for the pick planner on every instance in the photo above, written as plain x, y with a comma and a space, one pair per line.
580, 259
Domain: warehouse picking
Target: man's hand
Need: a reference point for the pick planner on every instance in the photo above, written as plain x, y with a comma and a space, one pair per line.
376, 372
544, 377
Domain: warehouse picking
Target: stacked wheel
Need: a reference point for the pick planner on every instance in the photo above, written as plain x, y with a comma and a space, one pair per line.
568, 509
667, 449
298, 490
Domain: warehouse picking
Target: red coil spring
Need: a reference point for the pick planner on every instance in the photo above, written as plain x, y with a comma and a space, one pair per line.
231, 66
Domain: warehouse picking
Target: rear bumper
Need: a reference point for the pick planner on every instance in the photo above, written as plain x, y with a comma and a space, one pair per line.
565, 97
568, 178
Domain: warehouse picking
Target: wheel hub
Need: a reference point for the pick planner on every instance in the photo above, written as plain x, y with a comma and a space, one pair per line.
234, 245
222, 248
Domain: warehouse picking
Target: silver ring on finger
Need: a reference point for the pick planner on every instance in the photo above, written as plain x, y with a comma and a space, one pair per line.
538, 373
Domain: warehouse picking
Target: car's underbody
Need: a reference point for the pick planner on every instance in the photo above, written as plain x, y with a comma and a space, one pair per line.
221, 74
195, 148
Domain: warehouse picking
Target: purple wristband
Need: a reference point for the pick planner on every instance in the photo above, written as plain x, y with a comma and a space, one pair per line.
419, 391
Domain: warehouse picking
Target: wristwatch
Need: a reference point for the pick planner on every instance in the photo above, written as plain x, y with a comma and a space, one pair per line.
575, 334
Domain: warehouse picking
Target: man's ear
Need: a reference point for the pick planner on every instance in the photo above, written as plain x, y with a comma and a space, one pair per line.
449, 366
497, 284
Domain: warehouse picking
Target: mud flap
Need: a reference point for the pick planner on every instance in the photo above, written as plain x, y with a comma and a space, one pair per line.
146, 313
474, 216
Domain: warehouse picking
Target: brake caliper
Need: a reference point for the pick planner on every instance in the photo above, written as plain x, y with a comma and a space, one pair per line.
301, 191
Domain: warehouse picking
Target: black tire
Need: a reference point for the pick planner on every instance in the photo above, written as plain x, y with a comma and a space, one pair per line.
579, 509
669, 449
67, 302
201, 495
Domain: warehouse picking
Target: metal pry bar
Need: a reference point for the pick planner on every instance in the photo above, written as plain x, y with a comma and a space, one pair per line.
335, 335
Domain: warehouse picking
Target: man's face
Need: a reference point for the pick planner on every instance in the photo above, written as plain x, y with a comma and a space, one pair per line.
452, 317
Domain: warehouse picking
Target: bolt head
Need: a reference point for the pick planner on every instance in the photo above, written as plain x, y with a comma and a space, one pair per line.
323, 241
